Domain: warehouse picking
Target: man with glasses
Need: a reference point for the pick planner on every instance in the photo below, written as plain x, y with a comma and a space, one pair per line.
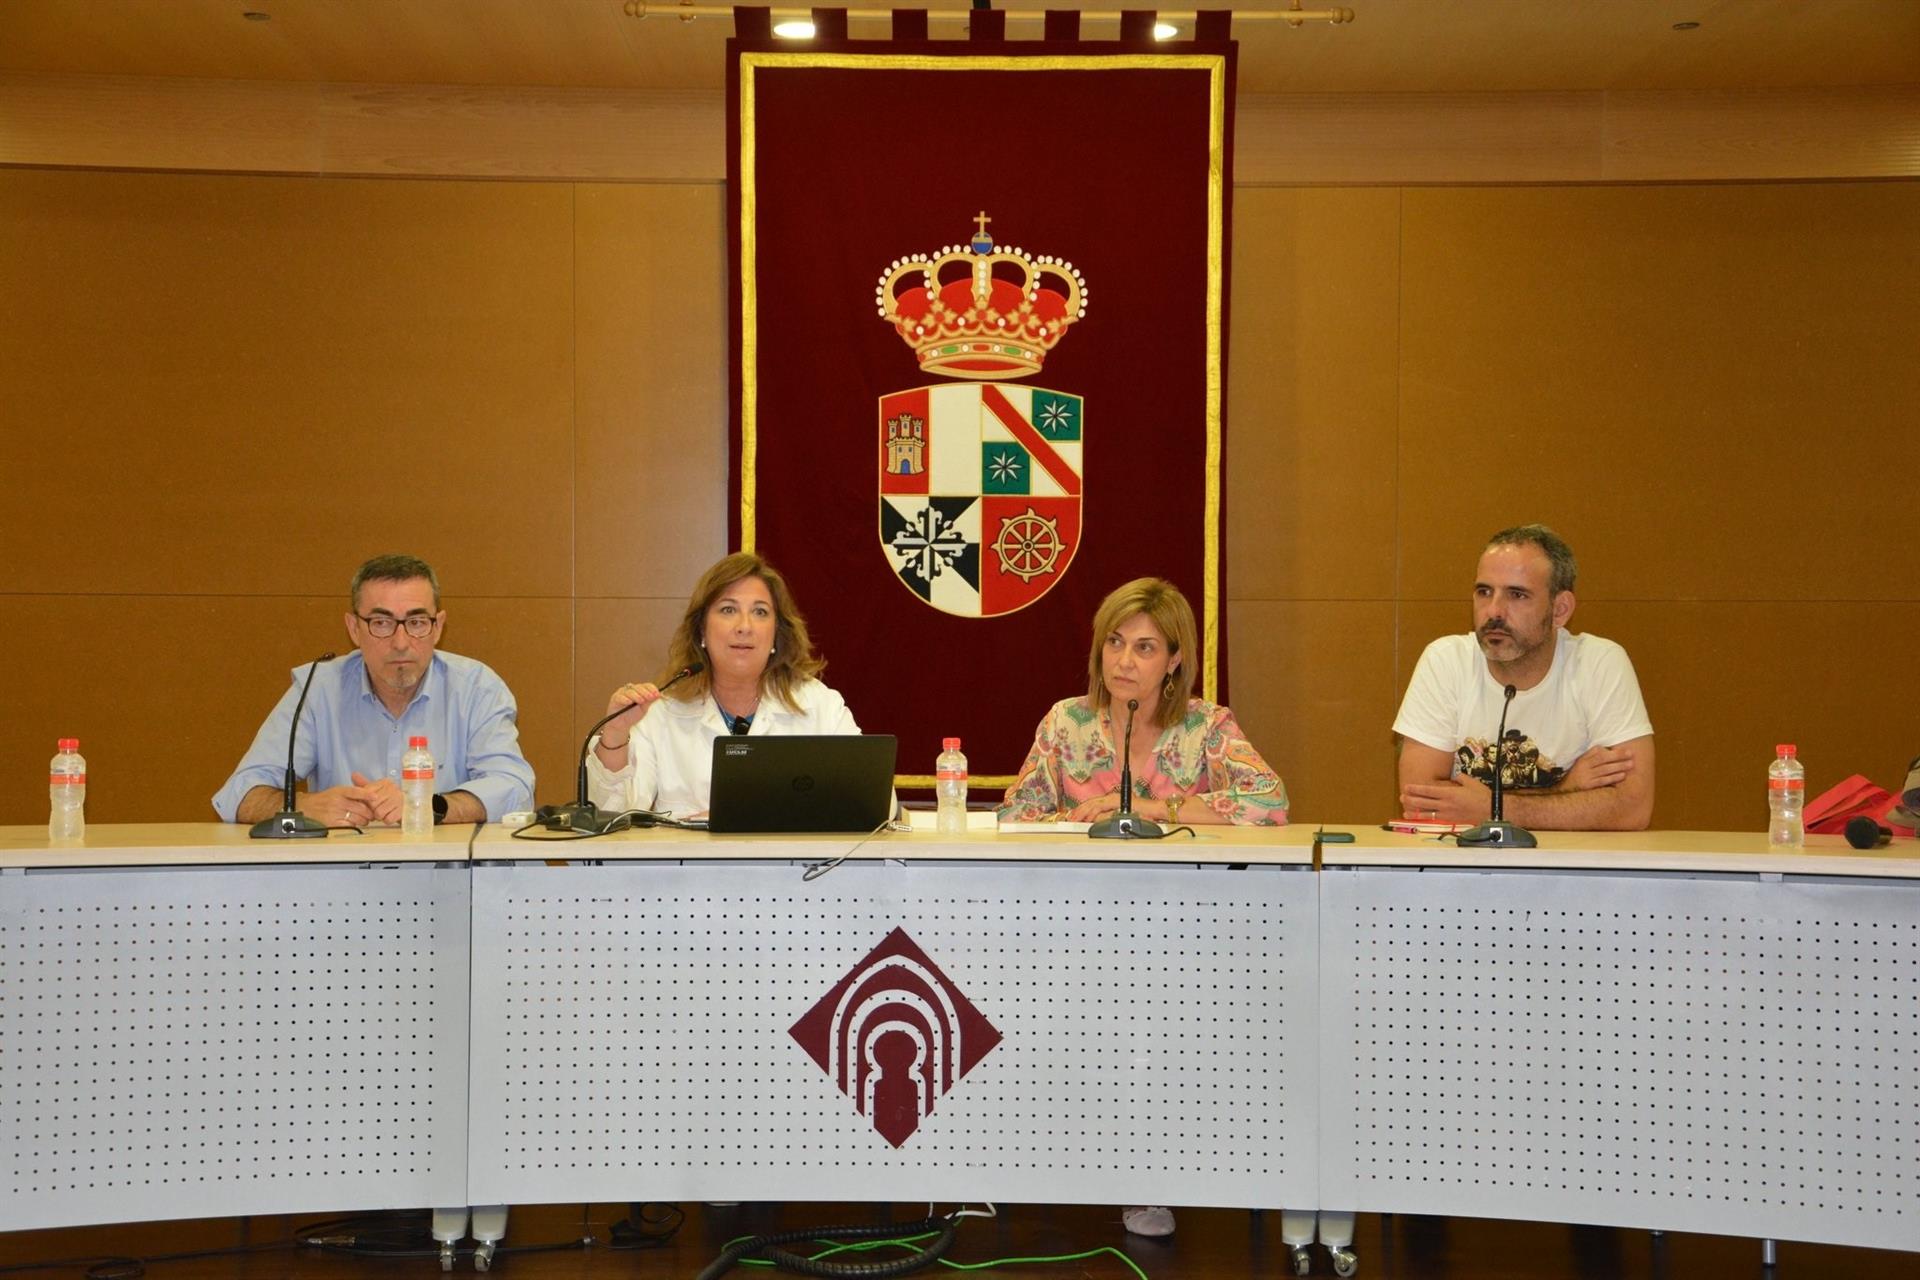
364, 707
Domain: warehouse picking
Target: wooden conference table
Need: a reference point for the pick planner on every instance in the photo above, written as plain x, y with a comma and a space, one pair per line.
1672, 1030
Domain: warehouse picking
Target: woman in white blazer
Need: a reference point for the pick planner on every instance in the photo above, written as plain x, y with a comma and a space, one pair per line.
753, 672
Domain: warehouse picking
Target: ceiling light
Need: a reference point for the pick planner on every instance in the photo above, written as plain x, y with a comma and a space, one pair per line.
797, 29
254, 15
1165, 31
1686, 26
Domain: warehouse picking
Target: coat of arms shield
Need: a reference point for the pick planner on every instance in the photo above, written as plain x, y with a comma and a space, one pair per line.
980, 488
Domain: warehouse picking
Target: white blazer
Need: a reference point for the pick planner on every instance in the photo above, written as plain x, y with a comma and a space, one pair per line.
670, 753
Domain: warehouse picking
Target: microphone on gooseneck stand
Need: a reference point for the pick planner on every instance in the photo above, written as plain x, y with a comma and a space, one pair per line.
1126, 824
290, 823
583, 814
1497, 831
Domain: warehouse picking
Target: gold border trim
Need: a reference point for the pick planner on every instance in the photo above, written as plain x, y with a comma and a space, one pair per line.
1216, 244
1215, 64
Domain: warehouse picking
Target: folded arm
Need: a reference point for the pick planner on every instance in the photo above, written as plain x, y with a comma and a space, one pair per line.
1608, 789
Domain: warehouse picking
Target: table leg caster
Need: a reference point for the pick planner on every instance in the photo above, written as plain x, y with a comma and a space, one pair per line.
489, 1226
1345, 1261
1302, 1261
449, 1228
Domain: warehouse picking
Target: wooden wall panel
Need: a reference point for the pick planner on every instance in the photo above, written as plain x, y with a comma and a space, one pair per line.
619, 640
1315, 691
529, 640
1696, 383
1312, 394
166, 692
1627, 363
651, 410
247, 386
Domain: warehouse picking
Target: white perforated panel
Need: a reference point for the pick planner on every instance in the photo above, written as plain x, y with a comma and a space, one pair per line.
1715, 1055
632, 1033
193, 1043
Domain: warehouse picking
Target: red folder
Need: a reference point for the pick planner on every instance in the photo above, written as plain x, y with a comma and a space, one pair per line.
1829, 813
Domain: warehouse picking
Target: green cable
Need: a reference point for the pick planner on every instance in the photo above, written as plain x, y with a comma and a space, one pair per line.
908, 1242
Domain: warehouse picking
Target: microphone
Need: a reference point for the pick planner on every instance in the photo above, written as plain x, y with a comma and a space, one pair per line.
1497, 832
583, 814
290, 823
1864, 833
1126, 824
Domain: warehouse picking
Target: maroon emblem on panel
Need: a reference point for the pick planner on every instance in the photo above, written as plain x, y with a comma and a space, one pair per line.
895, 1035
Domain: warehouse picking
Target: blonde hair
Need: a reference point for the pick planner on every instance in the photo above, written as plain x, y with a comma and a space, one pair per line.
793, 660
1161, 601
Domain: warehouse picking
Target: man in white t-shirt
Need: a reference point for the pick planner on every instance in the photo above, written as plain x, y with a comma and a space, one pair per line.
1579, 747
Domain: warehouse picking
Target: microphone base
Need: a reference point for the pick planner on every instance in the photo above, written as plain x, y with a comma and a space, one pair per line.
584, 817
1496, 835
289, 824
1126, 826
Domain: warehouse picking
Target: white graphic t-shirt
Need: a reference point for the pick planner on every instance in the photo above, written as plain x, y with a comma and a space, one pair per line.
1589, 698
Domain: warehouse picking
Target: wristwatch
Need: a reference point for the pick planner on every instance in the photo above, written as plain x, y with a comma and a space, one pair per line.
439, 808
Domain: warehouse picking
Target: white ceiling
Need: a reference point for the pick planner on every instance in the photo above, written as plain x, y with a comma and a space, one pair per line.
1392, 46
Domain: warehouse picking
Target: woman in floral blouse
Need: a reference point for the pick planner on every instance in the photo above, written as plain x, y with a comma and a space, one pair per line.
1191, 763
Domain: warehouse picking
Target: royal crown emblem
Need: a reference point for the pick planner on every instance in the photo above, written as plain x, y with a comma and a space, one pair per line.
975, 311
980, 481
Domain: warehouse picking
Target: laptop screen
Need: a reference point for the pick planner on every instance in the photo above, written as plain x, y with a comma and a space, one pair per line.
825, 782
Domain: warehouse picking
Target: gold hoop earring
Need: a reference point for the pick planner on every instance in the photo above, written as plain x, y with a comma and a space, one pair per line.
1166, 685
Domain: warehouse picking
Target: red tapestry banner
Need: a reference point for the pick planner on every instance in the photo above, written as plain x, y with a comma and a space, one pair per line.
979, 328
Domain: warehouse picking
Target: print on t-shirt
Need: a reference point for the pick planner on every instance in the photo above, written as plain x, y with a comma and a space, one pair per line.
1523, 765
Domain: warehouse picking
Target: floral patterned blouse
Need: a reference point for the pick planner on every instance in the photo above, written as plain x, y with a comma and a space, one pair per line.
1204, 755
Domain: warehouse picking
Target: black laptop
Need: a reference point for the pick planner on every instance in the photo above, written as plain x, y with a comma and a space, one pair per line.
827, 782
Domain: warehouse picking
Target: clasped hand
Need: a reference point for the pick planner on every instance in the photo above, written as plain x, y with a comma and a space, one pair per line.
367, 800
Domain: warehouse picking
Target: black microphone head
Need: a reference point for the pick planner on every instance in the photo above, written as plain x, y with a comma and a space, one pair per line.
1510, 692
1133, 704
693, 669
1864, 833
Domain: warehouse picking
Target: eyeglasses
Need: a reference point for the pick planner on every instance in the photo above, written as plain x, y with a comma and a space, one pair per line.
381, 626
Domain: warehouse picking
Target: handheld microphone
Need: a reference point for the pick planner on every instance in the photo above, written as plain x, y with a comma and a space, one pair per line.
1126, 824
1864, 833
290, 823
1497, 831
583, 814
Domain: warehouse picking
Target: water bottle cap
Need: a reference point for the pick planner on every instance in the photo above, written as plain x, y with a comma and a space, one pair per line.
416, 741
1786, 749
949, 744
69, 744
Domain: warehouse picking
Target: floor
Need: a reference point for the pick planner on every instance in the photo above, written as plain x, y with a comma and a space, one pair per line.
1210, 1243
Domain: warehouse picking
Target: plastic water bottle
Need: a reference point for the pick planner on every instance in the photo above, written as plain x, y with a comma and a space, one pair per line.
67, 788
416, 790
950, 789
1786, 796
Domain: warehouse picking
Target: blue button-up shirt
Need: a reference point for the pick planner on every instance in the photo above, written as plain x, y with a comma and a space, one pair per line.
465, 711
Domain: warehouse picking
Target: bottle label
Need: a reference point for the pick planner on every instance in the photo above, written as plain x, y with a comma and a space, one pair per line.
67, 779
951, 775
1786, 784
417, 775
